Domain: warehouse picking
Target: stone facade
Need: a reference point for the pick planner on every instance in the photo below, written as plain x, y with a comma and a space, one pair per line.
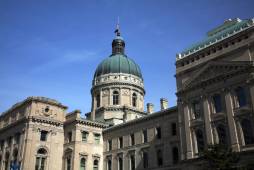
215, 101
215, 91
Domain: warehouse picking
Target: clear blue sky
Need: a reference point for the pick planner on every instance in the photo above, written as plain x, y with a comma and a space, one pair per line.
51, 48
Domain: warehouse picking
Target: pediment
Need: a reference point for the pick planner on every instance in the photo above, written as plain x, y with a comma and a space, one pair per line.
215, 70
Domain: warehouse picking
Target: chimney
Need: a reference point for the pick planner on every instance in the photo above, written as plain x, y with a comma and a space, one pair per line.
164, 103
149, 108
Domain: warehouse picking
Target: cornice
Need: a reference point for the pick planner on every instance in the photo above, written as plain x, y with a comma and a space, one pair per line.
117, 84
41, 119
87, 122
142, 119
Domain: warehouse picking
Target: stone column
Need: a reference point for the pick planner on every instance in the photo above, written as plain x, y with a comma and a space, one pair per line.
207, 119
231, 122
187, 132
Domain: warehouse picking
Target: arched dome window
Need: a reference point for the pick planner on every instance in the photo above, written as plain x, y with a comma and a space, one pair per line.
115, 98
247, 132
134, 100
41, 157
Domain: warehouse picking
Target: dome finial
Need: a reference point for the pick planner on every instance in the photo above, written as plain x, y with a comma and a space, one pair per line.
117, 31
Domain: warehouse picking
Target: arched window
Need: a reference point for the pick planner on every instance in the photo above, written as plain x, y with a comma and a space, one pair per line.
222, 134
98, 100
115, 98
82, 164
134, 100
175, 155
247, 132
109, 165
120, 163
41, 159
200, 140
95, 164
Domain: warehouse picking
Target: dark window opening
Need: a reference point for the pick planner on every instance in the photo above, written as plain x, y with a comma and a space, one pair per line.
159, 158
132, 139
115, 98
134, 100
217, 103
144, 136
145, 159
241, 97
175, 154
173, 129
158, 132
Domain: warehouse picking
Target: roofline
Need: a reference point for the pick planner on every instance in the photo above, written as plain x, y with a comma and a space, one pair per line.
31, 99
141, 119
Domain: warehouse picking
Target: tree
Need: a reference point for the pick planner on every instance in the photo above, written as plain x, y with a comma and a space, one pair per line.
220, 157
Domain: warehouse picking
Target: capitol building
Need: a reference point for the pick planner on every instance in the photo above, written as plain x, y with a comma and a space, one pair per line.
215, 105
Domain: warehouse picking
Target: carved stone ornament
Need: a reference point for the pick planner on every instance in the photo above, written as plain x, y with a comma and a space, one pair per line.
125, 92
105, 92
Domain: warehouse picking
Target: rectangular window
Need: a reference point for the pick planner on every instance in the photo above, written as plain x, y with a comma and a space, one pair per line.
144, 136
158, 132
84, 136
43, 135
109, 145
173, 129
132, 139
69, 136
120, 142
97, 138
145, 159
217, 103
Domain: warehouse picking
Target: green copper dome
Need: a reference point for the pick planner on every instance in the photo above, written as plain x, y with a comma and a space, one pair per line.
118, 63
